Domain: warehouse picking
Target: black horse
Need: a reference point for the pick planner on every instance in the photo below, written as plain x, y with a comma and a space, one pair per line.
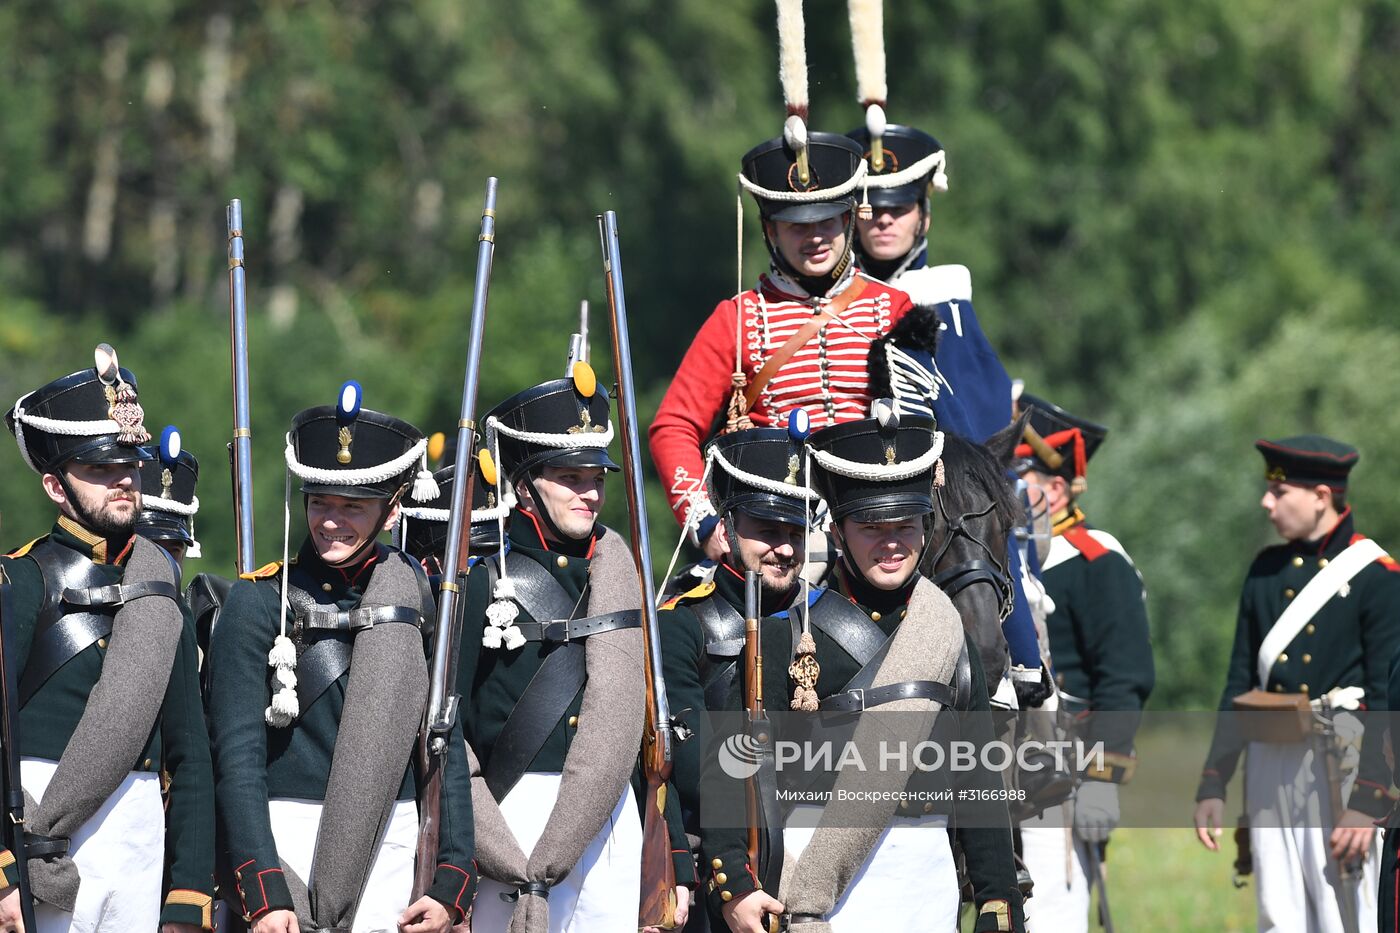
975, 510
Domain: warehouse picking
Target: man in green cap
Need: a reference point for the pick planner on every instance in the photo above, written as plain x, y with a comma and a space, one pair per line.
1317, 627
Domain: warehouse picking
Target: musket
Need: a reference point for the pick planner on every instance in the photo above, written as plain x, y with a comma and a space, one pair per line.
442, 694
578, 342
759, 848
1097, 877
241, 448
14, 789
658, 904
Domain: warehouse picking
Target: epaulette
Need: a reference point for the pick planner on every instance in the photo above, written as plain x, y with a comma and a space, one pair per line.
696, 593
1084, 543
20, 552
265, 572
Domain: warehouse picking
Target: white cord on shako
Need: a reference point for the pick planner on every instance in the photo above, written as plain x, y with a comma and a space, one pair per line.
283, 656
882, 472
55, 426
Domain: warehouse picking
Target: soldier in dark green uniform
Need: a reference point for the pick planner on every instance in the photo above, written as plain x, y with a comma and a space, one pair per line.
109, 690
1319, 619
168, 502
552, 670
314, 741
1101, 652
762, 502
883, 638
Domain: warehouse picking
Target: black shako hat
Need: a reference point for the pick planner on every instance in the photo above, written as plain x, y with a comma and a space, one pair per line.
168, 502
425, 524
832, 161
90, 416
1308, 460
880, 469
346, 450
564, 422
1057, 443
759, 471
906, 167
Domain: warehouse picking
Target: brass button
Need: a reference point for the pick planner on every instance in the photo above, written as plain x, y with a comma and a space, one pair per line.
726, 896
146, 763
1379, 793
717, 863
238, 876
875, 617
903, 613
1283, 659
573, 722
721, 878
102, 643
1278, 688
562, 561
1297, 562
1303, 688
1307, 659
1322, 562
928, 808
762, 739
1311, 628
1288, 593
327, 587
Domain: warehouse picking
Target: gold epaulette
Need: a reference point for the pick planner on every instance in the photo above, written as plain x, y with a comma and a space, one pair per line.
265, 572
25, 550
699, 592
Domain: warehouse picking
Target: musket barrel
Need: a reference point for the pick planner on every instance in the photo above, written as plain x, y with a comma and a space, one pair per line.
242, 410
632, 462
442, 698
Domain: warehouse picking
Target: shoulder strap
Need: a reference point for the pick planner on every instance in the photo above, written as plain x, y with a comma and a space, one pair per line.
804, 333
1313, 597
1085, 543
850, 628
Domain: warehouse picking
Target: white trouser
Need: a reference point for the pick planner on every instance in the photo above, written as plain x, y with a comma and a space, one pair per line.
1289, 811
295, 824
908, 882
120, 854
603, 892
1059, 865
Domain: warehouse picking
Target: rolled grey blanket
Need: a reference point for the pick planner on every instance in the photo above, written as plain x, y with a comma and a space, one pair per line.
118, 718
384, 702
925, 647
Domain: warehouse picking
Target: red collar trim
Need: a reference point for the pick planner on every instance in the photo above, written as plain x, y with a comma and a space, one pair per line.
544, 541
1327, 538
350, 575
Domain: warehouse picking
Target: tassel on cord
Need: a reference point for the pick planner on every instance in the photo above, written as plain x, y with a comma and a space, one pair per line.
804, 669
283, 657
425, 488
865, 211
940, 174
501, 630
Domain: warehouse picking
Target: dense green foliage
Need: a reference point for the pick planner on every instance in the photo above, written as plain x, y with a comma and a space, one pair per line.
1181, 219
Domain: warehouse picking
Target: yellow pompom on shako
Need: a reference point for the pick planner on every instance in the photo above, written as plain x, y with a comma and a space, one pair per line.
585, 380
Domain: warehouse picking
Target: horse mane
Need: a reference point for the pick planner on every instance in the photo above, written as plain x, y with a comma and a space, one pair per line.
965, 460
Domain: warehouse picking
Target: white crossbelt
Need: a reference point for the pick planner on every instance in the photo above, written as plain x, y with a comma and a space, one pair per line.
1313, 597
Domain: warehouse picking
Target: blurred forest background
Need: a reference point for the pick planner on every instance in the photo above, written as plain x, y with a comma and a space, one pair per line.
1181, 220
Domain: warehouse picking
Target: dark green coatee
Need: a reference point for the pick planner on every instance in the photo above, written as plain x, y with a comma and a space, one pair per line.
1389, 899
178, 746
492, 682
1100, 645
1349, 642
256, 762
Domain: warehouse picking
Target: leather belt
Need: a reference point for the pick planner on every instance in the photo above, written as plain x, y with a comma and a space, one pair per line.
859, 698
354, 620
118, 594
728, 648
45, 847
566, 630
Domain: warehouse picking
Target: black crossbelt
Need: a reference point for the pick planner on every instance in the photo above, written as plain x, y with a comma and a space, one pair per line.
567, 630
56, 645
534, 716
848, 626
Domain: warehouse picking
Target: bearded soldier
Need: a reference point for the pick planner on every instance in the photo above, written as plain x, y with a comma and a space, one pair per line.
551, 665
763, 505
108, 693
168, 503
1101, 651
1318, 622
886, 640
314, 739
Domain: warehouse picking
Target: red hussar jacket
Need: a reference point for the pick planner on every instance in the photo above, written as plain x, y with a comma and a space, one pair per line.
827, 376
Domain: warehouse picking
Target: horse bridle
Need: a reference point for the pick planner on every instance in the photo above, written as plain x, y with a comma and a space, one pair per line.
959, 577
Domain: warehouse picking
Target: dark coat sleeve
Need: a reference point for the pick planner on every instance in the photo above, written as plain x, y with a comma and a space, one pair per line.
1227, 743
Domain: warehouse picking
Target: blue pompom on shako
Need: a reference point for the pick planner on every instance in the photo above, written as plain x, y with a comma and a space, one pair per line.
760, 472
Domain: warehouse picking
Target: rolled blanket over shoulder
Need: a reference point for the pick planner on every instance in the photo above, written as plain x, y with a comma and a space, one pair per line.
384, 702
925, 647
117, 721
